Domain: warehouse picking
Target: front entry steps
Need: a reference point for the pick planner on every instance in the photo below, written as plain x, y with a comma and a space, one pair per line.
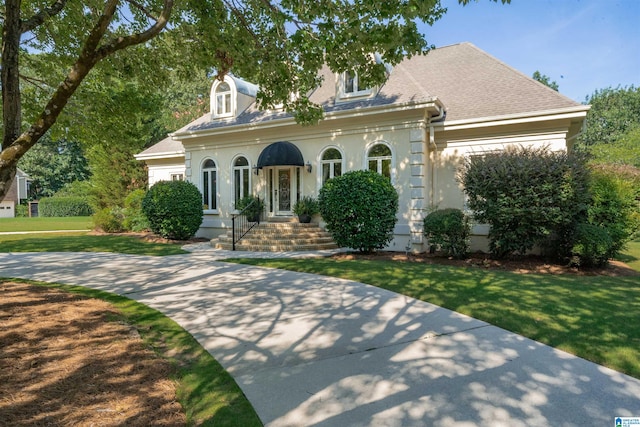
279, 237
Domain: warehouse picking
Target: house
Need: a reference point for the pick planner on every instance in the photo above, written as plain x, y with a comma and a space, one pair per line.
16, 193
416, 128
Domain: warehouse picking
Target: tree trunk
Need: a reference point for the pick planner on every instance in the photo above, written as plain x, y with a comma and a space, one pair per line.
14, 144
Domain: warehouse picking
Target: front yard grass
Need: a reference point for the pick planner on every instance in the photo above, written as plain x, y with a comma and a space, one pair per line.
631, 255
594, 317
83, 242
45, 224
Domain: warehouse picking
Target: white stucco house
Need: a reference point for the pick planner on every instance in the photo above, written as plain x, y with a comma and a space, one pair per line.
432, 111
16, 193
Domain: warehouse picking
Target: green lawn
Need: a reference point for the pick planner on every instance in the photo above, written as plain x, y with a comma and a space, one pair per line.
631, 256
208, 394
45, 224
82, 242
594, 317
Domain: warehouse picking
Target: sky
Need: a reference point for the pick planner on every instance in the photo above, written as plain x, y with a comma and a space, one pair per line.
583, 45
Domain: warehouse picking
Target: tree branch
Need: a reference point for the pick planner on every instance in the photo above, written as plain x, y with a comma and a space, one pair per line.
37, 19
142, 9
124, 42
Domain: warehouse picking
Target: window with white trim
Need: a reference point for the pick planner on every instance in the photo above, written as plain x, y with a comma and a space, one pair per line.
350, 86
241, 178
331, 163
209, 185
379, 159
223, 102
177, 177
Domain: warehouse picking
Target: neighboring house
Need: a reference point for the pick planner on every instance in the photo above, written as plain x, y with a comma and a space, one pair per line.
17, 192
415, 129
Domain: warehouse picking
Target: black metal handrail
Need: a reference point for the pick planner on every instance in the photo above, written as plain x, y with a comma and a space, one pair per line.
241, 224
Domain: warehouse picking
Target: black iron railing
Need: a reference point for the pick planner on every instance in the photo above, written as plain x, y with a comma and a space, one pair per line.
244, 221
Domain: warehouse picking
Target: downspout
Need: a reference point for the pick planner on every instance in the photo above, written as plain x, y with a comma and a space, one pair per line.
433, 146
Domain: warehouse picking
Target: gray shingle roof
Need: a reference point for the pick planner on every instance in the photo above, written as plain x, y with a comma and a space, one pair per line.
469, 82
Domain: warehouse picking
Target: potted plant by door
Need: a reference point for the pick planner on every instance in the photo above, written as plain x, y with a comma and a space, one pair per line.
305, 208
253, 205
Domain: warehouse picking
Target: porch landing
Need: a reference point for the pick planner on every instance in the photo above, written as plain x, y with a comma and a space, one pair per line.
279, 236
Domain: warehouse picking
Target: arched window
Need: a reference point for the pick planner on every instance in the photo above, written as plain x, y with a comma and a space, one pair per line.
241, 178
379, 159
223, 101
331, 163
209, 185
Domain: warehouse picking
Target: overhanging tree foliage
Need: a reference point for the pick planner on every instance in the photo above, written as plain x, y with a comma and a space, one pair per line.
278, 45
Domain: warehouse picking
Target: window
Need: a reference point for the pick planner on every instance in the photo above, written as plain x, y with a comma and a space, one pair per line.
222, 100
209, 185
379, 159
177, 177
331, 163
350, 86
241, 176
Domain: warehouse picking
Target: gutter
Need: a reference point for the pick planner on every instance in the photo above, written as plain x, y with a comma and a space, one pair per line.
432, 145
431, 104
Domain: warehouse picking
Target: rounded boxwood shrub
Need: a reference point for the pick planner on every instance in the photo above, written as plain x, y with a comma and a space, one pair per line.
174, 209
449, 229
359, 209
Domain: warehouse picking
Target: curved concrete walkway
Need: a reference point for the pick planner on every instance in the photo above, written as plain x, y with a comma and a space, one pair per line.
317, 351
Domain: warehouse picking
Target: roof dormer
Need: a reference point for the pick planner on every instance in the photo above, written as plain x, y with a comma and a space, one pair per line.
349, 87
231, 96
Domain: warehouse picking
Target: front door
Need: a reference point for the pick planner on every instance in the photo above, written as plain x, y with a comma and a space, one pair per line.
283, 191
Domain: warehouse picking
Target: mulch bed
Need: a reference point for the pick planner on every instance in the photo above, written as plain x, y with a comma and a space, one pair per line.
65, 361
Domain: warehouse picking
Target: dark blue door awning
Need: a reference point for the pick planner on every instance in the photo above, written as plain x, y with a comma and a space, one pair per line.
282, 153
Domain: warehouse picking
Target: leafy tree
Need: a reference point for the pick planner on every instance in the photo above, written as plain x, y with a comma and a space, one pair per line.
614, 115
53, 164
545, 80
625, 150
278, 45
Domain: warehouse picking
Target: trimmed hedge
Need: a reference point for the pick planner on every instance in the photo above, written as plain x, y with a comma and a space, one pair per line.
174, 209
359, 209
64, 206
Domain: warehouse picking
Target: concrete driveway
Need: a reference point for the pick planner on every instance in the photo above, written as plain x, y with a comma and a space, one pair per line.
309, 350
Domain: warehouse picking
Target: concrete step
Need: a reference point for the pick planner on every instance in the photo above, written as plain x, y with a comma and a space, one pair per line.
280, 237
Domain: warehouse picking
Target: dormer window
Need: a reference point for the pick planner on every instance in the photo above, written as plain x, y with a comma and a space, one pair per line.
349, 86
222, 100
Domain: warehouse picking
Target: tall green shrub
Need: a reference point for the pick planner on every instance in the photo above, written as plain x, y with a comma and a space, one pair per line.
613, 210
527, 196
63, 207
359, 209
134, 218
174, 209
449, 229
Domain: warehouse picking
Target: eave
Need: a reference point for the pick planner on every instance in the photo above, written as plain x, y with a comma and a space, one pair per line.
431, 107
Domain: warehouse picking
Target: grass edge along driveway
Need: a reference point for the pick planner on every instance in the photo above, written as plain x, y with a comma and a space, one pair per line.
207, 393
594, 317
